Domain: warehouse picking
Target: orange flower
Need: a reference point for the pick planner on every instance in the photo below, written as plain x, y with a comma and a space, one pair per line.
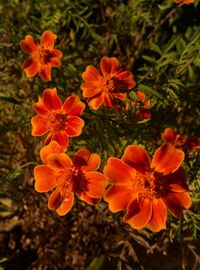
61, 121
146, 189
186, 145
106, 88
68, 177
42, 57
187, 2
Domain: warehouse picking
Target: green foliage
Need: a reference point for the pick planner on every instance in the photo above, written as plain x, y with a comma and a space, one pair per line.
159, 42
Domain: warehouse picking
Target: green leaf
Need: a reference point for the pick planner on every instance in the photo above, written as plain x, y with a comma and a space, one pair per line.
9, 99
96, 263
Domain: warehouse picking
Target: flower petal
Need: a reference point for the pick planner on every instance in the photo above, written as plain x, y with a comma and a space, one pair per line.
108, 65
56, 199
95, 102
176, 181
38, 125
87, 160
54, 62
47, 39
118, 172
139, 213
176, 202
66, 205
59, 162
120, 96
159, 216
40, 107
136, 157
119, 197
52, 148
61, 138
74, 126
73, 106
91, 88
169, 135
31, 67
96, 184
91, 74
89, 200
45, 72
51, 100
29, 45
167, 159
45, 178
56, 53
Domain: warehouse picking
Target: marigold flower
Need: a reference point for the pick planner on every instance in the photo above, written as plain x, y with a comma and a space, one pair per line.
187, 2
43, 56
192, 143
106, 88
68, 177
146, 189
61, 121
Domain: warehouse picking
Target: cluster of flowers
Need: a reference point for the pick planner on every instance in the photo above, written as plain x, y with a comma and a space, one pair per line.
144, 189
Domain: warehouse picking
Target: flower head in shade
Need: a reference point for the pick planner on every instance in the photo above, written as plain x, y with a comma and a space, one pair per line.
60, 121
189, 144
43, 56
146, 189
68, 176
105, 88
186, 2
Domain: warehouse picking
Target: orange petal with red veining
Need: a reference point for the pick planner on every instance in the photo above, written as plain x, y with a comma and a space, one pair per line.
89, 200
40, 107
169, 135
56, 53
91, 74
91, 88
45, 72
55, 199
51, 100
66, 205
176, 202
73, 106
54, 62
118, 172
167, 159
31, 67
29, 45
52, 148
74, 126
47, 39
176, 181
89, 161
119, 197
136, 157
59, 162
96, 184
45, 178
108, 65
61, 137
95, 102
39, 125
139, 213
120, 96
159, 216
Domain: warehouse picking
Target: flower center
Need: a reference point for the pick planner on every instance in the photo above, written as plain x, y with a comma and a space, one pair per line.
148, 185
56, 121
44, 55
109, 83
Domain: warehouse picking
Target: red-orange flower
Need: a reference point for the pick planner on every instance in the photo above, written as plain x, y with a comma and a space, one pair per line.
192, 143
61, 121
146, 189
43, 56
106, 88
68, 177
187, 2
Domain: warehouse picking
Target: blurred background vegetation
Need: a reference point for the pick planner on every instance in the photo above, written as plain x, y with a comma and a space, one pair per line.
159, 41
